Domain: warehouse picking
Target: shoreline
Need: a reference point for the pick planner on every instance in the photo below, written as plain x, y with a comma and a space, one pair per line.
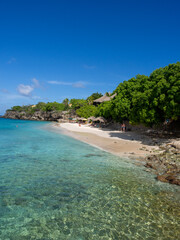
122, 144
162, 160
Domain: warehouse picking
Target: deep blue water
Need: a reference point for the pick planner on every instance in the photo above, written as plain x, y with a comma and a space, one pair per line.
55, 187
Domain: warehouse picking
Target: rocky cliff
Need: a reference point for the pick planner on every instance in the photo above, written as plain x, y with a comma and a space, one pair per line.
40, 115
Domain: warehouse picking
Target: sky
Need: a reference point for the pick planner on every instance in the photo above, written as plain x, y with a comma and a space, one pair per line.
53, 49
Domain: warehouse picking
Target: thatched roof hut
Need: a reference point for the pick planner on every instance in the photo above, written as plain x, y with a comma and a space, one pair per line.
104, 98
91, 118
101, 119
98, 119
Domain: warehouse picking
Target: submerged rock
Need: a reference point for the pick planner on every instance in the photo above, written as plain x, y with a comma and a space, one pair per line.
169, 178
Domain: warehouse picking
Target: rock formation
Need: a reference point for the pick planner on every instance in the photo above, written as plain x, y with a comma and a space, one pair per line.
166, 164
40, 115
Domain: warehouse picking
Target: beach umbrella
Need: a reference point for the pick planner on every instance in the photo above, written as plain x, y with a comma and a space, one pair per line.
81, 118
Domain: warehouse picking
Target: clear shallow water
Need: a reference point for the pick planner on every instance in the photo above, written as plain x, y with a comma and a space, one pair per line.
54, 187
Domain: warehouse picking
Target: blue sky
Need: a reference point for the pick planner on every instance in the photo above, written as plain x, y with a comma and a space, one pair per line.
51, 49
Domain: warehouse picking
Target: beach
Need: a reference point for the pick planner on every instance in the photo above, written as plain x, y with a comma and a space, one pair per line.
159, 156
126, 144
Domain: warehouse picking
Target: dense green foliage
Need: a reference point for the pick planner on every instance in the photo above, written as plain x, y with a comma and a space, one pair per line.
80, 105
17, 108
41, 106
84, 108
66, 103
148, 100
24, 108
53, 106
77, 103
86, 111
142, 99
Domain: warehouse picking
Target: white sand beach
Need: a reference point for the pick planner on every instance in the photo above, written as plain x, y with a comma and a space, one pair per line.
130, 144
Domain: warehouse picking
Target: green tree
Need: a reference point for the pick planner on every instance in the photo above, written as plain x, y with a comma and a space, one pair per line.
66, 103
77, 103
148, 100
40, 106
105, 110
53, 106
86, 111
93, 97
16, 108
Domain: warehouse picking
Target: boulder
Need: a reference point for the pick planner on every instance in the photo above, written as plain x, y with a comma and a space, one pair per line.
162, 178
176, 144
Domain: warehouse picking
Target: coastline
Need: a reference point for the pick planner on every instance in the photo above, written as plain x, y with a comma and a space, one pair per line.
123, 144
162, 159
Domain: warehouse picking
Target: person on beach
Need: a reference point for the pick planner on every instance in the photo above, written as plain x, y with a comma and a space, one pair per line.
123, 127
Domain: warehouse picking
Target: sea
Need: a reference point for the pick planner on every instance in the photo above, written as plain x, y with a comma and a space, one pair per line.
55, 187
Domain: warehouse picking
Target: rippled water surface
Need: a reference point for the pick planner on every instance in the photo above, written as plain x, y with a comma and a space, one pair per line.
55, 187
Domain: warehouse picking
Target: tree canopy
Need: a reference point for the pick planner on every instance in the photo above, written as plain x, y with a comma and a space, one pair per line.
86, 111
148, 100
77, 103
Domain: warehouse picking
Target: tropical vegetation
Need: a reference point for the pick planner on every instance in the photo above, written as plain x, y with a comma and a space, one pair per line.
143, 99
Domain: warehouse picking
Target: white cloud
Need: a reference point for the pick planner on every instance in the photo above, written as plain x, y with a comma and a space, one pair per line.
25, 90
73, 84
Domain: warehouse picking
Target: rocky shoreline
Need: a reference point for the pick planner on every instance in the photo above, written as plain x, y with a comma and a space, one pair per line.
40, 115
165, 163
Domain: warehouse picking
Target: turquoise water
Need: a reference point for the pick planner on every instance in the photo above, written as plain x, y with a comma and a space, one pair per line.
55, 187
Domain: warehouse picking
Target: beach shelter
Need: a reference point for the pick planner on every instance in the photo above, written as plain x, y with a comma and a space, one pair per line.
104, 98
91, 118
101, 120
